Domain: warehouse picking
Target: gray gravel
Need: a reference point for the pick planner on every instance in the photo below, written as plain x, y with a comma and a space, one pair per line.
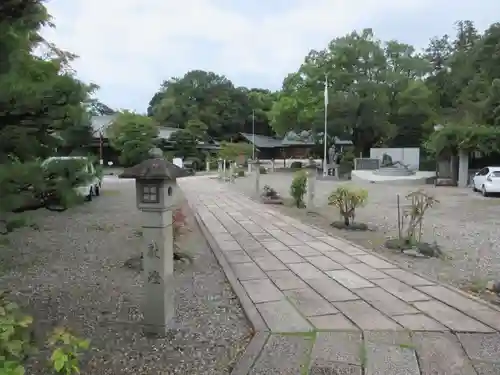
71, 273
464, 224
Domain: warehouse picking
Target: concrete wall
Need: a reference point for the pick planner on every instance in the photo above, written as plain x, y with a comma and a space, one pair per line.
409, 156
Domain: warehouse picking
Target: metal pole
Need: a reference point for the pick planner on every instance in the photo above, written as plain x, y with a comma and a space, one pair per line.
253, 134
325, 168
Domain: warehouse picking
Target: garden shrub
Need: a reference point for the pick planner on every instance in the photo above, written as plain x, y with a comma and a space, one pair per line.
241, 173
262, 170
296, 165
17, 343
298, 188
347, 199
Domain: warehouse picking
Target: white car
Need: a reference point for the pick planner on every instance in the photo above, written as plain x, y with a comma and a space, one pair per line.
487, 181
87, 189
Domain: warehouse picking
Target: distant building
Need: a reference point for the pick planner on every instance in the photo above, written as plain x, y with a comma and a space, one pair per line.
292, 145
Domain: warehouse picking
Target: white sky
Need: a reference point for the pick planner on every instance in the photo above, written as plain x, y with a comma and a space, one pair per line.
129, 47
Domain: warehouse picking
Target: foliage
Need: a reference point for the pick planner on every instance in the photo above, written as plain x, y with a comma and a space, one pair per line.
262, 170
241, 173
211, 104
133, 136
453, 138
40, 98
298, 188
184, 144
67, 350
296, 165
414, 213
17, 343
347, 199
235, 151
32, 185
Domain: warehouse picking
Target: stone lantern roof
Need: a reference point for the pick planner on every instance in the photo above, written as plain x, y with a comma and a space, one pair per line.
154, 169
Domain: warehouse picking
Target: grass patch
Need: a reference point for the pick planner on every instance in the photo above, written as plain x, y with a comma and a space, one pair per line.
363, 355
477, 286
4, 241
407, 346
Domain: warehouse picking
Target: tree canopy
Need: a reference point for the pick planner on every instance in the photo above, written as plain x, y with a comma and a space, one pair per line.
381, 93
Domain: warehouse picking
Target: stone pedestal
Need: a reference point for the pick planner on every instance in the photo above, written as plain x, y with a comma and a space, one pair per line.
249, 168
463, 169
272, 165
311, 182
256, 168
156, 188
232, 171
219, 169
207, 165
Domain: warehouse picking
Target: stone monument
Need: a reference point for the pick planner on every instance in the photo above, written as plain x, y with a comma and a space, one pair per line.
311, 181
156, 188
256, 167
219, 169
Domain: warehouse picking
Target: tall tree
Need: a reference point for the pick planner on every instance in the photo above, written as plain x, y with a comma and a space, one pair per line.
202, 96
133, 136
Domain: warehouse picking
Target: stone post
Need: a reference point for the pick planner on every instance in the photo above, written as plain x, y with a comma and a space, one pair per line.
463, 169
272, 165
219, 168
311, 182
256, 168
224, 169
249, 166
156, 189
232, 171
207, 165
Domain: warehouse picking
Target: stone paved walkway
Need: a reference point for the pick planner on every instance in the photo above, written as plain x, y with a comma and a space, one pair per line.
334, 308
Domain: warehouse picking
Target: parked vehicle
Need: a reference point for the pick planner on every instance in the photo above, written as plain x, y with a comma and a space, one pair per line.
487, 181
89, 186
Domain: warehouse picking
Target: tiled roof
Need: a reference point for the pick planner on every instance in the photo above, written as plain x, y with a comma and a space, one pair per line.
262, 141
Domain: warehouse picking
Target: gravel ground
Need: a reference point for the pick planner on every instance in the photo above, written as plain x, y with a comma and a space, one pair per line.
464, 224
71, 272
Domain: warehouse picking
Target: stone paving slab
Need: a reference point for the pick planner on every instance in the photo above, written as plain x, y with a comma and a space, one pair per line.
334, 308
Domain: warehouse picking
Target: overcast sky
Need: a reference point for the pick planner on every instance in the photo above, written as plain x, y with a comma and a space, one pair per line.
129, 47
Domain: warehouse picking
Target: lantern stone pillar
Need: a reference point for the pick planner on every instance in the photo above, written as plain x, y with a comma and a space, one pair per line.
156, 190
219, 168
232, 171
256, 168
311, 182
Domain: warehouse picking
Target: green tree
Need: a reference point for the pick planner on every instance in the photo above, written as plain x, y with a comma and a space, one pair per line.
133, 135
184, 144
205, 97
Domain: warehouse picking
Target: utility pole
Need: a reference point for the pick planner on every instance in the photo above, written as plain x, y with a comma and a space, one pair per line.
253, 134
325, 167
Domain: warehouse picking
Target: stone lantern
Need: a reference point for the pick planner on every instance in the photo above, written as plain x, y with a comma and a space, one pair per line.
219, 169
156, 191
311, 181
256, 167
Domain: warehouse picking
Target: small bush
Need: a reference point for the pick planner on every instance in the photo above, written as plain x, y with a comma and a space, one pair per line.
296, 165
298, 188
263, 170
241, 173
347, 199
17, 343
